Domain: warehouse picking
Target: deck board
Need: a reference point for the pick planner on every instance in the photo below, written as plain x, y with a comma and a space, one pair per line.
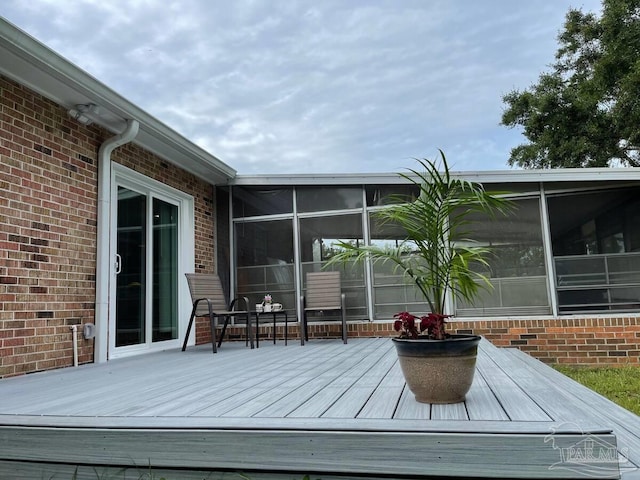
517, 404
408, 408
357, 395
311, 403
456, 411
627, 427
384, 401
482, 403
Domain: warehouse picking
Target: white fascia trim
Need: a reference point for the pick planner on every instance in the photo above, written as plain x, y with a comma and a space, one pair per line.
489, 176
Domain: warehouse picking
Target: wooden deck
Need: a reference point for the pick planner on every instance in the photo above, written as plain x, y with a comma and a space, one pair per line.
330, 410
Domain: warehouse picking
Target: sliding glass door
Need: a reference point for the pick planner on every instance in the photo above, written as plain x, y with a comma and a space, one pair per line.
131, 270
164, 271
146, 280
149, 236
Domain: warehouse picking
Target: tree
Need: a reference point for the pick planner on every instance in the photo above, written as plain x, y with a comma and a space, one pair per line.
586, 111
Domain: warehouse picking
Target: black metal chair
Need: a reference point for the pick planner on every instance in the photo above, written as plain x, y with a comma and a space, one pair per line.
323, 293
209, 300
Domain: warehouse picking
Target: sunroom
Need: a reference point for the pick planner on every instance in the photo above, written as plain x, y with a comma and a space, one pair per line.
572, 245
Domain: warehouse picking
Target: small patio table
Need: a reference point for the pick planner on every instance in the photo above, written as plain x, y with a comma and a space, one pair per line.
275, 314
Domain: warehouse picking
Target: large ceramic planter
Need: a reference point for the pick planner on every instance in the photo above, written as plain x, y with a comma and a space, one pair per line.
438, 371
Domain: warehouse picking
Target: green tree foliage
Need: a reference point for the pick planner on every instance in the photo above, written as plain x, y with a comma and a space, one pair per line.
586, 111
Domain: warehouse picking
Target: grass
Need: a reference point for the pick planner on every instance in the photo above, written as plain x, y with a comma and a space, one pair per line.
620, 385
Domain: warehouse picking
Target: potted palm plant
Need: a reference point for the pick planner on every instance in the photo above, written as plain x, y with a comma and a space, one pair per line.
438, 256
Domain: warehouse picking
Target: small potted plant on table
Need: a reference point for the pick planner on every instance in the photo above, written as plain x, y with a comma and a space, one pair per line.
266, 303
439, 258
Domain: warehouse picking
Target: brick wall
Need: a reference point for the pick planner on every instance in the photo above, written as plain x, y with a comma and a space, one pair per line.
48, 208
47, 232
572, 340
593, 341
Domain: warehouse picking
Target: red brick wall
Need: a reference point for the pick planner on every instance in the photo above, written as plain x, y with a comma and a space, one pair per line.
593, 341
47, 232
573, 340
48, 208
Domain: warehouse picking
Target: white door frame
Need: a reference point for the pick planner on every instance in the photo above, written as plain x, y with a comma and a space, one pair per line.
123, 176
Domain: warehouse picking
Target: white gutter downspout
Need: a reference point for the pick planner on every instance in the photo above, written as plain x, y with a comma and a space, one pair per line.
104, 262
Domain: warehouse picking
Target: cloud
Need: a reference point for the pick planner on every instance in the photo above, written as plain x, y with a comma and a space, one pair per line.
302, 86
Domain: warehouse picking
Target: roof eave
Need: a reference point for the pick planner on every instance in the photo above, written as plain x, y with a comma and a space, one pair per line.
29, 62
489, 176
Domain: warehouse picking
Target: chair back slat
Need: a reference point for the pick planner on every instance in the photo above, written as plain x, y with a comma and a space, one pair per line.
203, 285
323, 290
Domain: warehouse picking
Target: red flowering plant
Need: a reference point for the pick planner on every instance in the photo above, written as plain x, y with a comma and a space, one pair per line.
432, 323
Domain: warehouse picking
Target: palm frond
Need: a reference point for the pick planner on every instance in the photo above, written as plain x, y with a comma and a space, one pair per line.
437, 225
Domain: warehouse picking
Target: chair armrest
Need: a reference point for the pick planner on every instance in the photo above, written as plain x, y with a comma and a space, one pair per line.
203, 299
239, 300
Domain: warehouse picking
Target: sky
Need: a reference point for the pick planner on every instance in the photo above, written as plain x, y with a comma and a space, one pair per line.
329, 86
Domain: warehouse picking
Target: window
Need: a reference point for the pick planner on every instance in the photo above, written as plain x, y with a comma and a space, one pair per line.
256, 201
596, 249
318, 241
315, 199
392, 291
264, 259
387, 194
516, 266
